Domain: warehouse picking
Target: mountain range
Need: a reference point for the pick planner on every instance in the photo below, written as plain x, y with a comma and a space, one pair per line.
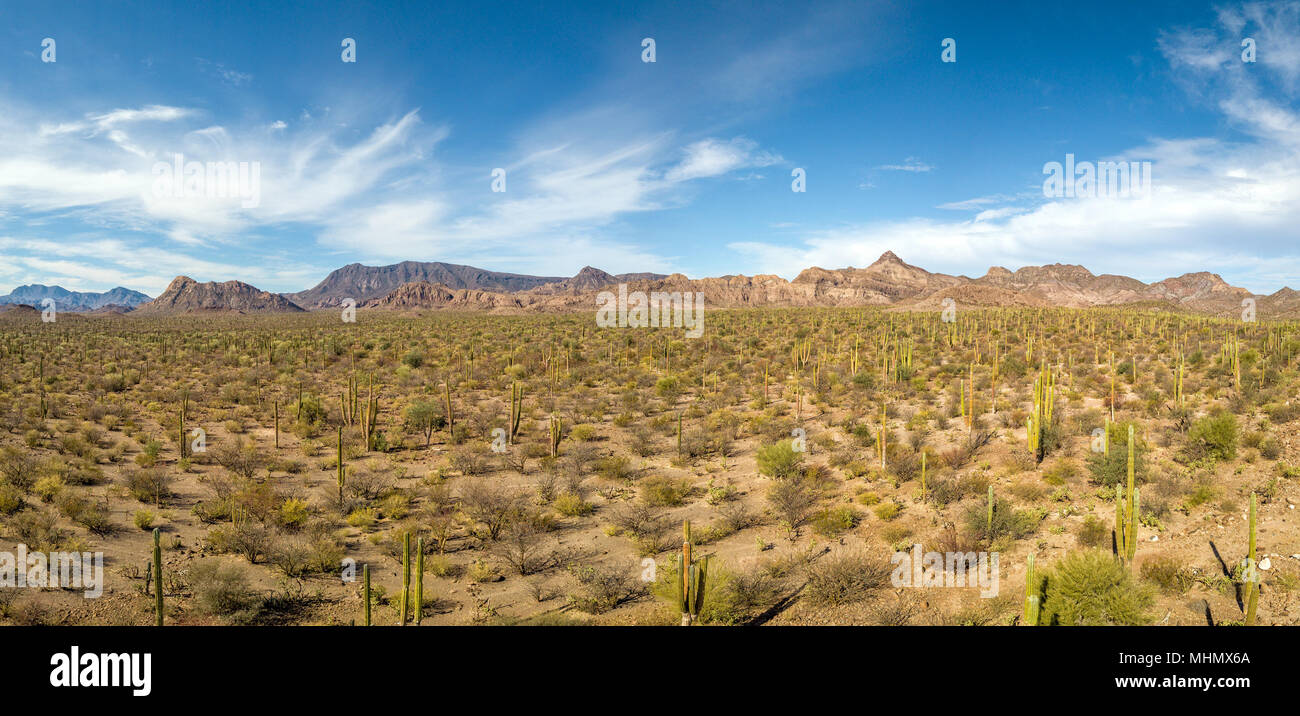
889, 281
76, 301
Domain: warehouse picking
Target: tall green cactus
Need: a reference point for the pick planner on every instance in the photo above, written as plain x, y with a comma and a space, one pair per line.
516, 410
557, 430
185, 404
1127, 506
1250, 571
692, 580
365, 578
989, 526
157, 579
406, 576
1032, 598
451, 415
419, 580
923, 476
340, 466
679, 432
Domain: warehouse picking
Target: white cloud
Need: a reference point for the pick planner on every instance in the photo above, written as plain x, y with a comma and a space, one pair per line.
910, 164
713, 157
1230, 207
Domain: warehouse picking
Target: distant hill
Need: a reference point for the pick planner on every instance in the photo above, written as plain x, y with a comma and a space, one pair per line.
367, 283
889, 282
363, 283
73, 301
185, 295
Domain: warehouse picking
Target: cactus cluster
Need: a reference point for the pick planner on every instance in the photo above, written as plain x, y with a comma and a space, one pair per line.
692, 580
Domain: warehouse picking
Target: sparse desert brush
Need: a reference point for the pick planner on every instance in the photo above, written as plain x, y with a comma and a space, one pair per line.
1093, 532
1166, 573
663, 491
793, 500
779, 460
144, 519
1061, 471
572, 505
1214, 436
846, 577
364, 518
1006, 520
835, 521
11, 500
602, 588
887, 511
1092, 588
222, 590
293, 513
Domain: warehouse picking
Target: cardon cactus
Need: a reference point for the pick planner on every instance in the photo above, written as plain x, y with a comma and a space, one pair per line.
1250, 570
1032, 598
692, 580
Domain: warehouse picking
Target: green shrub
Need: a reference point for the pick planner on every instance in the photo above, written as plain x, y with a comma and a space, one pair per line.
779, 460
294, 513
1091, 588
1167, 574
1214, 436
1108, 470
1093, 532
143, 519
572, 505
846, 578
834, 521
664, 491
222, 591
11, 499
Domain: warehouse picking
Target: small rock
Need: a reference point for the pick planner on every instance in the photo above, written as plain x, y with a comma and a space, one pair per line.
1265, 564
1155, 538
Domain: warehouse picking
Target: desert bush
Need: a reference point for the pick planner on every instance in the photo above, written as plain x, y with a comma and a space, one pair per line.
602, 588
1213, 436
1167, 573
17, 467
793, 501
835, 521
644, 523
779, 460
1093, 532
143, 519
663, 491
151, 484
490, 504
846, 578
1091, 588
240, 459
222, 591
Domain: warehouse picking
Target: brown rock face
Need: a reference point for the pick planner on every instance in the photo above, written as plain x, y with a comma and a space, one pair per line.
185, 295
362, 283
889, 281
424, 295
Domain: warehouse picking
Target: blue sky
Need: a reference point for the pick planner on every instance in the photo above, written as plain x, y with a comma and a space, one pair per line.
683, 164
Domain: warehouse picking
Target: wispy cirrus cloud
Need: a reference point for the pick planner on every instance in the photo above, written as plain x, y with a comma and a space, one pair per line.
1227, 205
910, 164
